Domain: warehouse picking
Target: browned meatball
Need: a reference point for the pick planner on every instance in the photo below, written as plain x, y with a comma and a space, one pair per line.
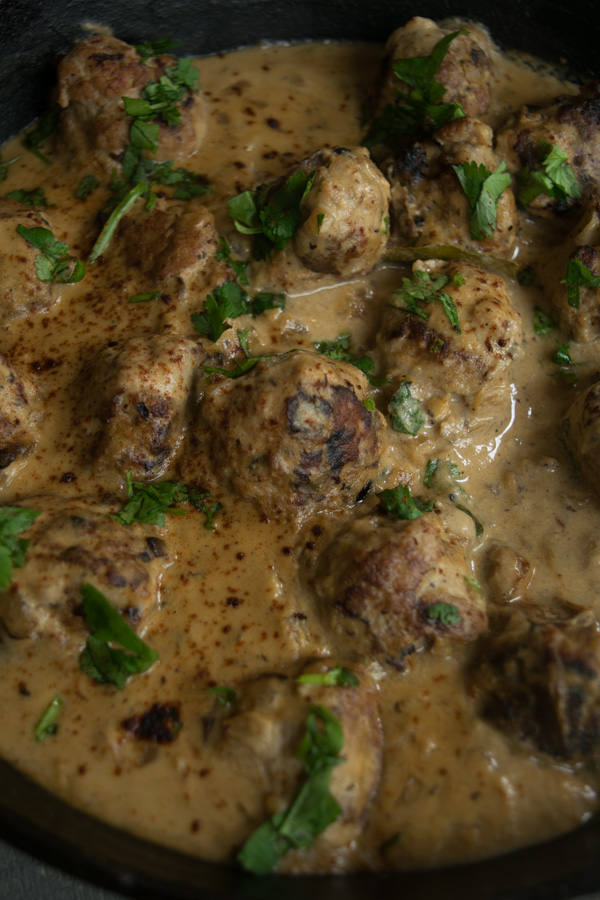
460, 378
133, 415
294, 434
429, 204
71, 544
465, 72
539, 679
19, 419
92, 80
21, 291
342, 231
394, 588
263, 730
581, 429
582, 321
573, 124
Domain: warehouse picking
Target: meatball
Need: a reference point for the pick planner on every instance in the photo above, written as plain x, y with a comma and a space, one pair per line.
342, 230
71, 544
294, 434
134, 417
573, 124
21, 291
539, 679
582, 321
262, 734
445, 367
395, 588
429, 205
465, 72
93, 79
19, 419
174, 247
581, 429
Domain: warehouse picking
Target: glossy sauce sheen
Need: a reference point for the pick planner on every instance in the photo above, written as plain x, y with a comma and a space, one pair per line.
453, 787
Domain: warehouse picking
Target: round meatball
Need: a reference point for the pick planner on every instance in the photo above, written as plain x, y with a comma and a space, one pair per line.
429, 205
395, 588
539, 679
581, 429
134, 418
294, 434
71, 544
342, 230
20, 414
92, 80
459, 377
263, 730
573, 124
582, 321
21, 291
466, 70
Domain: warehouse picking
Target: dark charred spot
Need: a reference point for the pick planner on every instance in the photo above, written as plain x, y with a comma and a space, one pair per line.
68, 478
133, 614
8, 455
160, 724
101, 58
157, 547
143, 411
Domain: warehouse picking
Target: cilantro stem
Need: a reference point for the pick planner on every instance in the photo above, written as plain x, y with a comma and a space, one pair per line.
105, 236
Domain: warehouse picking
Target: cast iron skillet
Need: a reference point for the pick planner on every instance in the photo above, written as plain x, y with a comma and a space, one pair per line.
33, 33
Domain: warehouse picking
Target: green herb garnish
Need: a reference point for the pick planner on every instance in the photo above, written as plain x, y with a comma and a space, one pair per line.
406, 411
446, 613
86, 186
399, 502
4, 166
225, 695
237, 265
427, 288
340, 349
543, 324
562, 357
144, 298
46, 126
54, 264
338, 677
479, 528
47, 723
13, 521
106, 235
578, 276
147, 49
99, 660
148, 503
556, 178
228, 301
483, 189
35, 198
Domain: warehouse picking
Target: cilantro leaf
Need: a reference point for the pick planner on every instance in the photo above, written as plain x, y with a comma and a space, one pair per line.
228, 301
54, 264
13, 521
406, 411
340, 349
34, 197
106, 235
98, 659
144, 298
147, 503
445, 613
483, 189
337, 677
556, 178
237, 265
147, 49
241, 369
313, 809
421, 108
225, 695
266, 300
46, 126
578, 276
47, 723
398, 502
427, 288
86, 186
479, 527
443, 475
4, 166
543, 324
562, 357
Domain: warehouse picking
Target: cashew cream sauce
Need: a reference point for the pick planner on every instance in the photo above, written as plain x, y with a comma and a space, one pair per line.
453, 787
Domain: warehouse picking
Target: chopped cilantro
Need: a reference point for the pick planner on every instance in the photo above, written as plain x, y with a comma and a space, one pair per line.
147, 49
47, 723
578, 276
159, 100
46, 126
4, 166
33, 198
225, 695
419, 109
271, 213
86, 186
237, 265
106, 235
337, 677
320, 219
543, 324
13, 521
406, 411
340, 349
99, 660
369, 404
473, 584
427, 288
54, 264
479, 528
148, 503
526, 276
445, 613
385, 225
143, 298
241, 369
313, 808
562, 357
265, 300
228, 301
398, 502
483, 189
443, 474
556, 178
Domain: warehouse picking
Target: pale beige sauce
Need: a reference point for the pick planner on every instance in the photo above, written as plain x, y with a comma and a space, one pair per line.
453, 787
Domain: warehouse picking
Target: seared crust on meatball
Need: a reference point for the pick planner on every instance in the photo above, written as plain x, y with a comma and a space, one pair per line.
71, 544
581, 429
134, 414
380, 584
262, 732
582, 321
93, 79
465, 72
539, 679
429, 204
342, 231
21, 291
20, 414
294, 434
573, 124
442, 364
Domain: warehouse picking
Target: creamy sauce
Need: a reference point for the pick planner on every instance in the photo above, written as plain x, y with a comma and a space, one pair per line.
453, 788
